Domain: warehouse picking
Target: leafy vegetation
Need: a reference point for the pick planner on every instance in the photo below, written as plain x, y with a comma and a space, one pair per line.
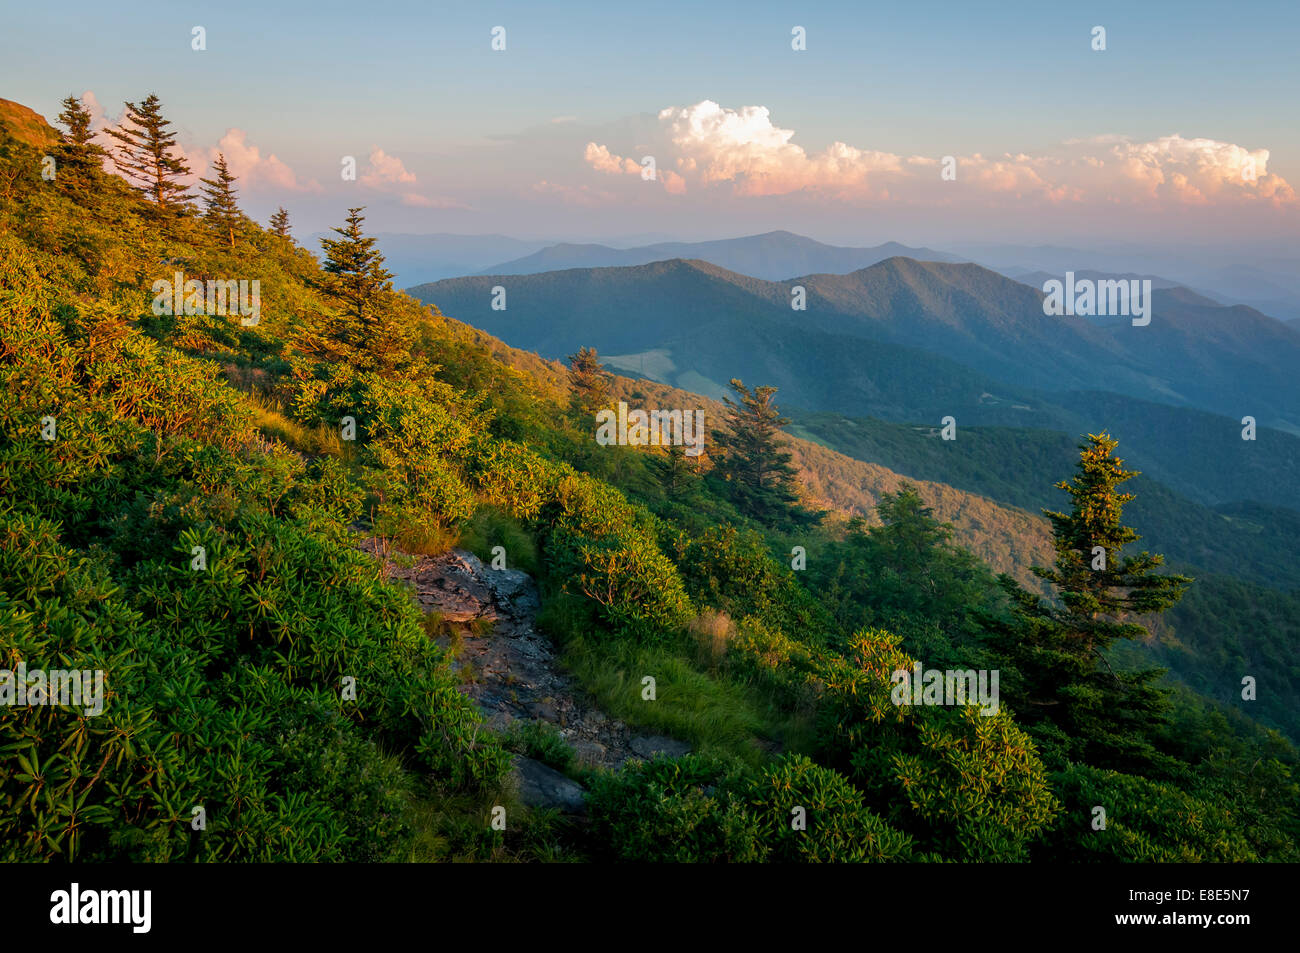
181, 501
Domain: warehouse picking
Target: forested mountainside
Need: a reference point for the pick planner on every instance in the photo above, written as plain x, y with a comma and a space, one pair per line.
898, 337
184, 497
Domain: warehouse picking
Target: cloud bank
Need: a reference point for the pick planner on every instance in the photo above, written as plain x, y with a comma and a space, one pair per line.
710, 146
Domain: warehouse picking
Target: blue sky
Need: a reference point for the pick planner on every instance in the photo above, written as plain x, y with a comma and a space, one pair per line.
477, 129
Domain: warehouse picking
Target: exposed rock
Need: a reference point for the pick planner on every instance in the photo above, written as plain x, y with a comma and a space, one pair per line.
515, 674
589, 753
544, 710
658, 746
542, 786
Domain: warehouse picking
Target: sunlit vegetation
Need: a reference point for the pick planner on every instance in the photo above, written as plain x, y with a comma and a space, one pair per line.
352, 410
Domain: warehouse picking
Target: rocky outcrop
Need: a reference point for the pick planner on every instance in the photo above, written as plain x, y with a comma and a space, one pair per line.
512, 667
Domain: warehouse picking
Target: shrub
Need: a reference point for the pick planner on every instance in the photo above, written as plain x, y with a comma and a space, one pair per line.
966, 785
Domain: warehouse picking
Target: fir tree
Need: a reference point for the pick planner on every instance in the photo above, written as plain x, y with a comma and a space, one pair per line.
80, 157
1098, 585
676, 474
221, 211
1081, 707
356, 268
280, 222
146, 156
589, 379
757, 470
355, 274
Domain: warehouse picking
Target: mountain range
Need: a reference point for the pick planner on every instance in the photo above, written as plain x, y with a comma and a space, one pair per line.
772, 255
901, 339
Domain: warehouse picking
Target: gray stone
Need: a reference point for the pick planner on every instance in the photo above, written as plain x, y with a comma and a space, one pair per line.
589, 752
544, 710
512, 586
657, 746
541, 786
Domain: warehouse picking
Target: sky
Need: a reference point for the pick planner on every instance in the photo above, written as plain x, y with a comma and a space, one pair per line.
1185, 126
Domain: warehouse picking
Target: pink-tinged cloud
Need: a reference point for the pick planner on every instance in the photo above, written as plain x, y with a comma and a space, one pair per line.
255, 172
715, 146
385, 170
602, 160
245, 160
742, 146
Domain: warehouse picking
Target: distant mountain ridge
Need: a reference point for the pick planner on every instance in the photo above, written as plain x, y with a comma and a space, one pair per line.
900, 339
771, 255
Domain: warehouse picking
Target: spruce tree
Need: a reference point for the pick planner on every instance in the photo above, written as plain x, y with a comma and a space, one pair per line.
80, 157
676, 474
222, 211
146, 156
280, 222
749, 455
1099, 586
1068, 691
589, 379
356, 275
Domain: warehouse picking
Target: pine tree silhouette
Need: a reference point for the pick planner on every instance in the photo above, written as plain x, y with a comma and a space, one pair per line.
146, 156
222, 211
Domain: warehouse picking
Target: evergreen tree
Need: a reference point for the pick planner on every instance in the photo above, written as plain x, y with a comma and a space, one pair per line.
222, 211
676, 474
1068, 690
146, 156
750, 458
1098, 585
908, 567
80, 157
357, 268
589, 379
355, 274
280, 222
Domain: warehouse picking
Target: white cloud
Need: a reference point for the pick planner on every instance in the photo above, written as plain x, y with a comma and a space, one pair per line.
714, 146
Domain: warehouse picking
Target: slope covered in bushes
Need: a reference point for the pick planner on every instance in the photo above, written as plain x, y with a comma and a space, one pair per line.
181, 498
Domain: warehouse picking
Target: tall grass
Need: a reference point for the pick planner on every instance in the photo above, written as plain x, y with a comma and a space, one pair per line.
716, 712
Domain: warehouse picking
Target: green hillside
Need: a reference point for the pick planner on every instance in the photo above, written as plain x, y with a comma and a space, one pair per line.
191, 502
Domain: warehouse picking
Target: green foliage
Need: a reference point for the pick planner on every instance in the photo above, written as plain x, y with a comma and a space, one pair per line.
904, 568
733, 571
1146, 822
699, 810
1065, 687
674, 811
148, 155
540, 741
220, 206
966, 784
224, 684
489, 527
751, 461
589, 380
